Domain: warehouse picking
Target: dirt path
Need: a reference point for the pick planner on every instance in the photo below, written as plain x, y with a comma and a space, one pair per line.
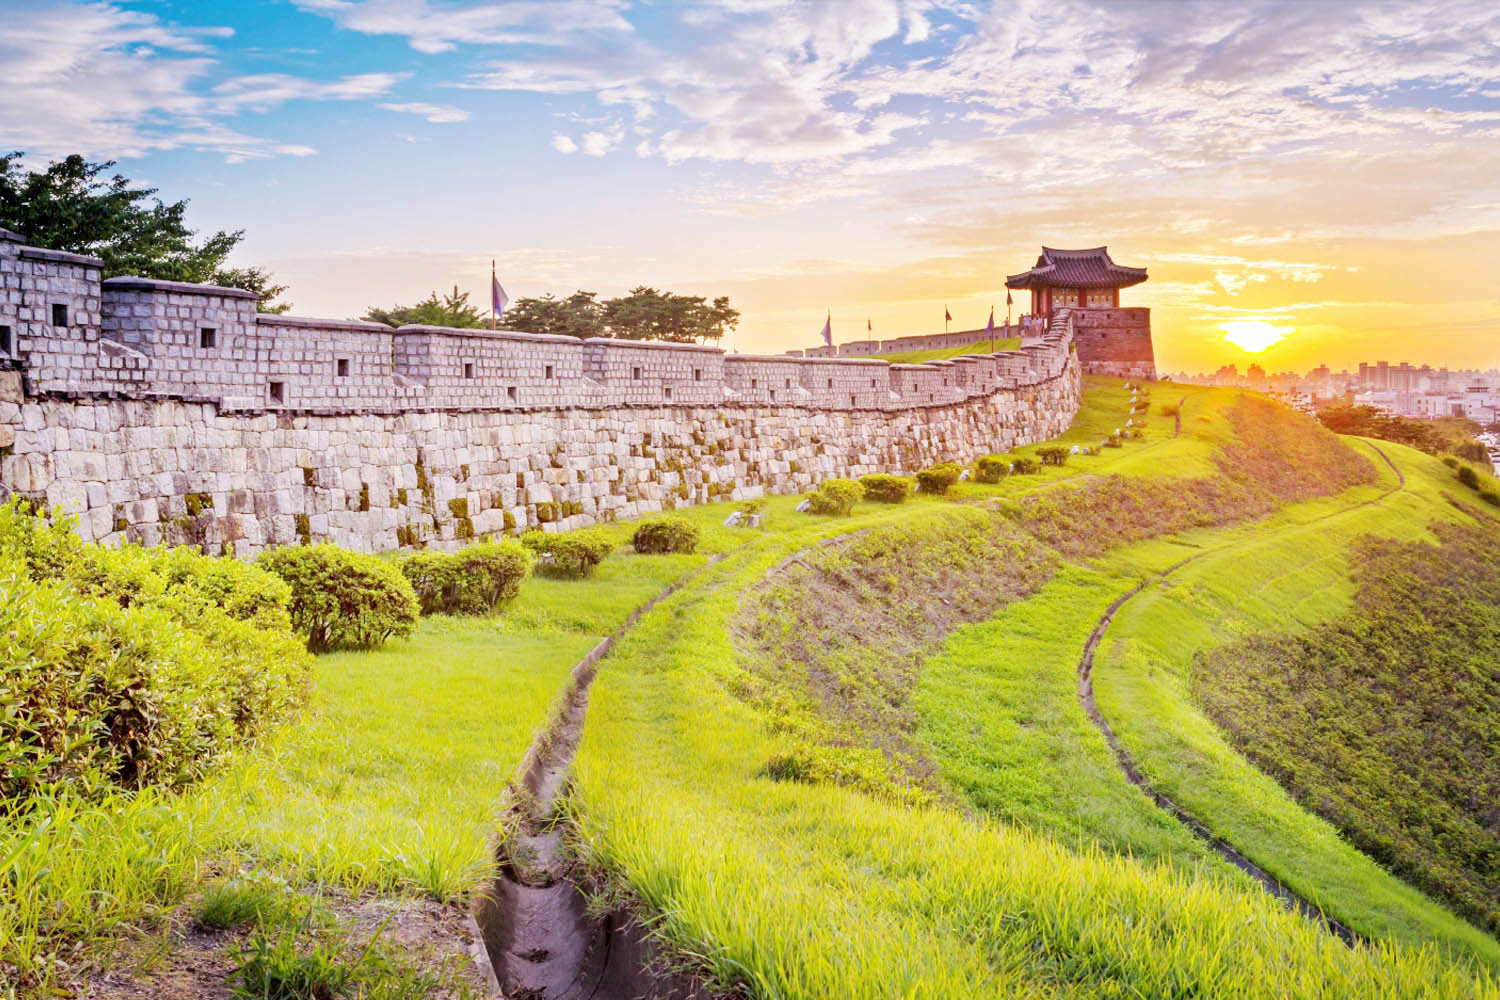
1133, 774
543, 942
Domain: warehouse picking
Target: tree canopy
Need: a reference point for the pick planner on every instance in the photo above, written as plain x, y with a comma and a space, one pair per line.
452, 309
73, 206
1435, 436
644, 314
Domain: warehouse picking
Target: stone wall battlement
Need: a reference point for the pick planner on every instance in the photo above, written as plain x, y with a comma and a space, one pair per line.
73, 334
160, 412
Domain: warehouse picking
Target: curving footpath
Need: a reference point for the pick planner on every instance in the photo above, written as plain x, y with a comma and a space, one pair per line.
1133, 774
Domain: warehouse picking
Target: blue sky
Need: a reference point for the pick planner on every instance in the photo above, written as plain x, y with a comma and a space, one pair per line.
1331, 169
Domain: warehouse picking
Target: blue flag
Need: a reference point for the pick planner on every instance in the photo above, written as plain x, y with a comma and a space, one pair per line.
828, 330
990, 326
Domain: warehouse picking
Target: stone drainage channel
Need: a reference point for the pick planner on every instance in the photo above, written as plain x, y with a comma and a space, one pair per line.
1133, 774
541, 940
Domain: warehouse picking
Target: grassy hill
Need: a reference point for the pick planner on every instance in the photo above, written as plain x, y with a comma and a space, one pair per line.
1065, 880
858, 769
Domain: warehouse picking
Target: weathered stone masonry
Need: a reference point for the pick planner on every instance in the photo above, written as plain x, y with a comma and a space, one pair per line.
163, 412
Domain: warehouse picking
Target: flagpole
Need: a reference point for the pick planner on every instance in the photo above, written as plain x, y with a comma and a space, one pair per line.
494, 320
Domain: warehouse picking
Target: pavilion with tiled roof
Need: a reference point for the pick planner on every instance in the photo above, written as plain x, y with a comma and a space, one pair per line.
1079, 279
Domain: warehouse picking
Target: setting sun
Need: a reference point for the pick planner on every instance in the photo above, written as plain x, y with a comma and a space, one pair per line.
1253, 335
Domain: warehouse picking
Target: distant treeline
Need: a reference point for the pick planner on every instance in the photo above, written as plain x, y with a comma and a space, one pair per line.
644, 314
1444, 435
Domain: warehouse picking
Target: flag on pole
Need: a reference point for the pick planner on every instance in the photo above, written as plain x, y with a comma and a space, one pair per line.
498, 299
947, 316
869, 327
828, 329
1008, 300
989, 327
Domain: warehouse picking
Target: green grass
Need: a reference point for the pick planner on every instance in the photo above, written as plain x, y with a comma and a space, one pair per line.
1382, 721
810, 890
946, 353
1288, 577
388, 782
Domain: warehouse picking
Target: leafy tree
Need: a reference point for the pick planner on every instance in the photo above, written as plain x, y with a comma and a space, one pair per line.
644, 314
71, 206
578, 315
452, 309
647, 314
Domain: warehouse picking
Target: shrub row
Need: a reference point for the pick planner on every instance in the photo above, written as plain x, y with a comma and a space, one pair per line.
571, 553
883, 488
132, 667
477, 580
836, 497
665, 534
341, 599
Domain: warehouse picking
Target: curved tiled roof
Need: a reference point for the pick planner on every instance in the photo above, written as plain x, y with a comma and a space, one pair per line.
1077, 269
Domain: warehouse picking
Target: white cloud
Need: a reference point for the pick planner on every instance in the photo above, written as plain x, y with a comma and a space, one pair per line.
102, 80
563, 144
438, 114
599, 143
432, 27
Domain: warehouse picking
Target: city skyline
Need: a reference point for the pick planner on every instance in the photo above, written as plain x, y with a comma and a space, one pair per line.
1321, 182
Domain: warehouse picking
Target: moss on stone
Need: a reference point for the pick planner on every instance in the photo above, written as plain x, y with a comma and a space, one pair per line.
364, 496
197, 503
304, 529
307, 476
546, 513
459, 508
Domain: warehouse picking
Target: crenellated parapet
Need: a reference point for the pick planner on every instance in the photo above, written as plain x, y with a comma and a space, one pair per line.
155, 411
138, 338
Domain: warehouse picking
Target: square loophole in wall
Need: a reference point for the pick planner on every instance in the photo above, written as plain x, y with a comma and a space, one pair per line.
697, 374
278, 392
549, 372
208, 337
667, 392
59, 314
341, 367
468, 369
635, 374
511, 393
5, 343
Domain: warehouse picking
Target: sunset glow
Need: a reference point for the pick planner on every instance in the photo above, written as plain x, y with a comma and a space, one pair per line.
1328, 168
1253, 335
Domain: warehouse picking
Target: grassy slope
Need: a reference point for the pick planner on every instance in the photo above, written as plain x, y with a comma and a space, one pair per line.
808, 890
1272, 581
388, 781
944, 353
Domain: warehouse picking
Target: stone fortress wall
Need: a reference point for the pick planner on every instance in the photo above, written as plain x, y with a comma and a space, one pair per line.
159, 411
1110, 340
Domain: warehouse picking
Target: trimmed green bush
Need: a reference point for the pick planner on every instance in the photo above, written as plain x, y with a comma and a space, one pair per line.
883, 488
665, 534
132, 667
937, 479
1468, 476
574, 553
1450, 461
991, 468
477, 580
1053, 455
342, 599
1025, 467
1490, 497
836, 497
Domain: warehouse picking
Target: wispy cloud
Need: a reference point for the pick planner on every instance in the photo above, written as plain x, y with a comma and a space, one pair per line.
438, 114
434, 27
